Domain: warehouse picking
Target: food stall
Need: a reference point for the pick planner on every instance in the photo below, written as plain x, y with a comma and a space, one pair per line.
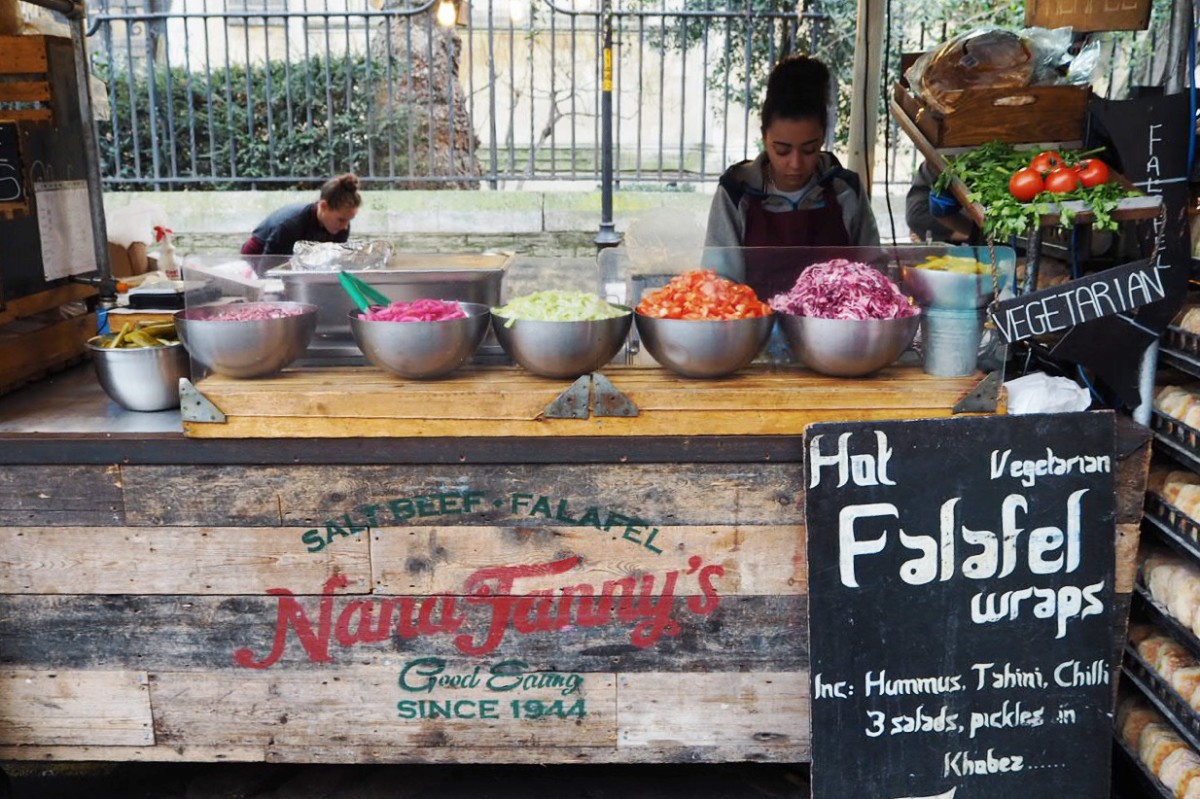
334, 563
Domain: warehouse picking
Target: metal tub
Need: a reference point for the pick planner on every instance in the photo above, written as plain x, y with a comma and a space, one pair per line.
409, 276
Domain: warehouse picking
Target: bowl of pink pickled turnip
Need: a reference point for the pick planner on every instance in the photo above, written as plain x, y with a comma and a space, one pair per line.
247, 339
422, 339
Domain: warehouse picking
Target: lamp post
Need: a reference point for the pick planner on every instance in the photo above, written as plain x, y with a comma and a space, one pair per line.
607, 237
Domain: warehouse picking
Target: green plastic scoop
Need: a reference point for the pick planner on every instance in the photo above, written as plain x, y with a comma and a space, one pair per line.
363, 293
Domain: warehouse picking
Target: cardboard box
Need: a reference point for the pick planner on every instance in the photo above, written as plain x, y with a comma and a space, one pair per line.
129, 261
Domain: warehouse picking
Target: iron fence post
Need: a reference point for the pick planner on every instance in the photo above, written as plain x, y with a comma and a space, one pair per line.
608, 236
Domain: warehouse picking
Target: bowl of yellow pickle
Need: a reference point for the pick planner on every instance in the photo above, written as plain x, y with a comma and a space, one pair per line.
139, 366
961, 278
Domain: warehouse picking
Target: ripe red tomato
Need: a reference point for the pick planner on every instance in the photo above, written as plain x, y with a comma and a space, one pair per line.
1025, 184
1062, 180
1046, 161
1092, 172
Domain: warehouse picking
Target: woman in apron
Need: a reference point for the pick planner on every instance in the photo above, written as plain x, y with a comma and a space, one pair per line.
794, 194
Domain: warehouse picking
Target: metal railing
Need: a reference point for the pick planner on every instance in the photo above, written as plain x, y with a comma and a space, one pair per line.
284, 93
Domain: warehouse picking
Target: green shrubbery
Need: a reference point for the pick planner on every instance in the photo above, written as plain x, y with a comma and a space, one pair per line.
300, 121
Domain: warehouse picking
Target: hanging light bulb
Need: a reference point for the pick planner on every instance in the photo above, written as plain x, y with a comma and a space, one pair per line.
446, 14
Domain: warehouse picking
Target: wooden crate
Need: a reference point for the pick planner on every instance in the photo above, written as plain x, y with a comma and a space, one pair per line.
25, 63
36, 339
1086, 16
1017, 116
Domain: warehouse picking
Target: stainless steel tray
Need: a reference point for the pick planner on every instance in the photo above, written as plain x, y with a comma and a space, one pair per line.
409, 276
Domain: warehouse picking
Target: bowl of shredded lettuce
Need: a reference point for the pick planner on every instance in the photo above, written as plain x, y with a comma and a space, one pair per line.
561, 334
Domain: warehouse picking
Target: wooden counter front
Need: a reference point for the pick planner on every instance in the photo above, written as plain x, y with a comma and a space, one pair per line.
548, 598
348, 402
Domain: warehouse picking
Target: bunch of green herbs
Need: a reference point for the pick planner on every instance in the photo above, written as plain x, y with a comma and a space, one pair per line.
986, 170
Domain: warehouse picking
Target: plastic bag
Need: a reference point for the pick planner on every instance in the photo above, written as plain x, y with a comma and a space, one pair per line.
1038, 392
1083, 66
993, 58
321, 256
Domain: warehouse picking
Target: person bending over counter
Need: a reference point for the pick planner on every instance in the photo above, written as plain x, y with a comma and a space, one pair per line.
328, 219
794, 194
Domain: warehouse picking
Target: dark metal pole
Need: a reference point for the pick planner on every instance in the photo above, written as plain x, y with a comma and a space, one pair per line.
75, 14
608, 236
108, 289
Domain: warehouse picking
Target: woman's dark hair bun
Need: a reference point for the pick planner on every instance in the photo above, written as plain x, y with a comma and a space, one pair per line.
798, 87
342, 191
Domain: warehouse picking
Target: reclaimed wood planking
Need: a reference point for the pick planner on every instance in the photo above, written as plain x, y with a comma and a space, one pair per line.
359, 705
164, 560
53, 708
341, 402
202, 633
346, 392
387, 561
761, 712
311, 495
758, 560
23, 55
781, 422
61, 495
340, 752
88, 753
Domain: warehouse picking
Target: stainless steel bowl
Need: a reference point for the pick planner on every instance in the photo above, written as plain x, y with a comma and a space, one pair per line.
704, 348
140, 378
848, 347
422, 350
563, 349
246, 349
933, 288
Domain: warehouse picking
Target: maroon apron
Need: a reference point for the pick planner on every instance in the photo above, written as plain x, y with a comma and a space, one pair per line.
770, 273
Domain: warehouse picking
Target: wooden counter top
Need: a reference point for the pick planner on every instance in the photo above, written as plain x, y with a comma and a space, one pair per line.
364, 402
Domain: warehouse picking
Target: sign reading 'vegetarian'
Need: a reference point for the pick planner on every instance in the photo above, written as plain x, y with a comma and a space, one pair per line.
1053, 310
960, 578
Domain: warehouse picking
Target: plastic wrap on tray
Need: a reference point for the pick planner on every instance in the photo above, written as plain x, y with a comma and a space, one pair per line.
314, 256
992, 58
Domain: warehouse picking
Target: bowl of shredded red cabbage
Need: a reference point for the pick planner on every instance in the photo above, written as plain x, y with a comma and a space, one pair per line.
846, 319
842, 289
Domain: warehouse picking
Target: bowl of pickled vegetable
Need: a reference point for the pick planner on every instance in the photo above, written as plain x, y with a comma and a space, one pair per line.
960, 279
421, 339
140, 365
846, 318
561, 334
247, 339
703, 325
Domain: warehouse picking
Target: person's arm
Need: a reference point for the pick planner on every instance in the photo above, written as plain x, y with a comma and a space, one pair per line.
858, 217
723, 238
726, 228
918, 215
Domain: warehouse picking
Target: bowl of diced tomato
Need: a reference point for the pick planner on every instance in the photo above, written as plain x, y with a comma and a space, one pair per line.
703, 325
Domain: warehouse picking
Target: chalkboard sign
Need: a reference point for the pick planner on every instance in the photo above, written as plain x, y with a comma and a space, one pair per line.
960, 581
1112, 291
12, 176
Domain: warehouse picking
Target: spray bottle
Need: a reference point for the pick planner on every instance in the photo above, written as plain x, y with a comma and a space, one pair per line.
166, 252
